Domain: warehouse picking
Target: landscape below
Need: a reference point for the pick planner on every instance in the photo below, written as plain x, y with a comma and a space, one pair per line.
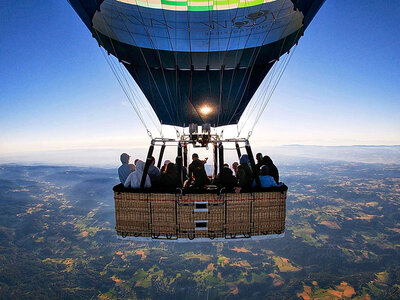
342, 240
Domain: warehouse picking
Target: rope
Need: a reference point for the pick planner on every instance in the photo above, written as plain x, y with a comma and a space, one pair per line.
223, 65
281, 69
260, 95
254, 104
253, 63
125, 91
133, 92
159, 58
268, 82
142, 102
273, 89
145, 60
141, 51
237, 51
176, 65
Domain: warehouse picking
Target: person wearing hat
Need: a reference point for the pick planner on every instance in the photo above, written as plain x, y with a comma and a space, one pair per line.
126, 168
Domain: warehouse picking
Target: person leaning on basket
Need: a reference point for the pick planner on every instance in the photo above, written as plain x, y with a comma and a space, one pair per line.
134, 179
273, 170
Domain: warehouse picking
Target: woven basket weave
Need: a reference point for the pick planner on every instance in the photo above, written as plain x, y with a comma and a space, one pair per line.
192, 216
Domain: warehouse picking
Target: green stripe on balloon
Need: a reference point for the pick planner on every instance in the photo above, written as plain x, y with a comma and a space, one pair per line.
226, 2
176, 3
250, 3
200, 8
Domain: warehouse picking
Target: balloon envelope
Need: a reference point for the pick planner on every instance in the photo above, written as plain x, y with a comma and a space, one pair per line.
197, 61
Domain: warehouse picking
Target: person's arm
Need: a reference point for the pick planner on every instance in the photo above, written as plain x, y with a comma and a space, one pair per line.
128, 181
190, 175
148, 182
276, 175
241, 175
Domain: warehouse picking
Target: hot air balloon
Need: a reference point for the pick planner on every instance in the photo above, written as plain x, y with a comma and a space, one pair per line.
198, 62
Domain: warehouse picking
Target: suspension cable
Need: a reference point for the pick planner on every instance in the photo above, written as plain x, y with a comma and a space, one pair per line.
262, 95
134, 90
122, 70
145, 60
244, 47
124, 89
253, 62
273, 89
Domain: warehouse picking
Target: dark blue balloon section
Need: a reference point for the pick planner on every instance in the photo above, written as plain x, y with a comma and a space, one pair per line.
186, 60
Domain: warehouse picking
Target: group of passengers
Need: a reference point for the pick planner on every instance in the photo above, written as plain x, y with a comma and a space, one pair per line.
238, 178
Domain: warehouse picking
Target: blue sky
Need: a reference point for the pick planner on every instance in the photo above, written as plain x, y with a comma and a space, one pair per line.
342, 86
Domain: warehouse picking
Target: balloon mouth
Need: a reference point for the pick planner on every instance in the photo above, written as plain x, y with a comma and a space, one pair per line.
205, 110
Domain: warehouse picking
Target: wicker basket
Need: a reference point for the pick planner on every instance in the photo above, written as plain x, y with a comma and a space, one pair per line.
192, 216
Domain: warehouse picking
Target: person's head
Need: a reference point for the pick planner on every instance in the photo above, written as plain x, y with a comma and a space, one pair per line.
125, 158
264, 170
226, 165
153, 160
170, 169
195, 156
235, 165
267, 160
226, 172
244, 159
166, 163
136, 160
139, 165
259, 157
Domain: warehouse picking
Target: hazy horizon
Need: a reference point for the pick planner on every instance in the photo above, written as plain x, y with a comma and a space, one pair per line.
285, 154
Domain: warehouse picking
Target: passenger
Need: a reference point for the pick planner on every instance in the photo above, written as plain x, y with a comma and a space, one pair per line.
153, 172
234, 167
197, 174
265, 179
225, 179
260, 163
169, 179
273, 170
244, 174
165, 165
126, 168
135, 178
